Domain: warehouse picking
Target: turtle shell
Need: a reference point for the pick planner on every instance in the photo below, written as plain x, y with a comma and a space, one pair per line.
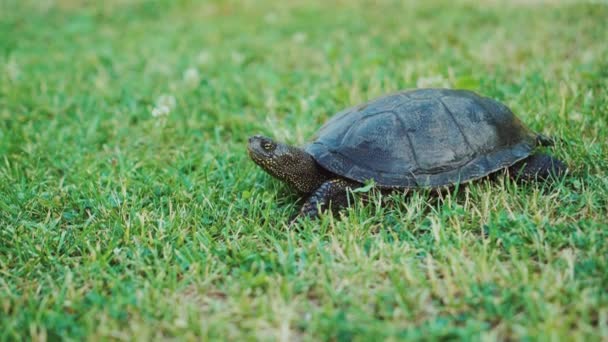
422, 138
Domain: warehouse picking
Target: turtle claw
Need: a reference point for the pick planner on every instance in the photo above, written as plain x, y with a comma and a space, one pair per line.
305, 212
296, 222
293, 223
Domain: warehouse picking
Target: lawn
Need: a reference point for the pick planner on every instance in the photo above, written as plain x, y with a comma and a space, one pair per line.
129, 208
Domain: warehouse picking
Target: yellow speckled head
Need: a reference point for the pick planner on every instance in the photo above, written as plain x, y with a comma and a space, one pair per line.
289, 164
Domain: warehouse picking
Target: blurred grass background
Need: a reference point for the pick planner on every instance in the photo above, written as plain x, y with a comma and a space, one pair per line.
129, 208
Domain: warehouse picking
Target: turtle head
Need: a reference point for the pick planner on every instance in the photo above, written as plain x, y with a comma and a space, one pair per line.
289, 164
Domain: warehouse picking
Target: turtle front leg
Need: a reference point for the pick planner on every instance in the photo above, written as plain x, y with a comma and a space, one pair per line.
332, 193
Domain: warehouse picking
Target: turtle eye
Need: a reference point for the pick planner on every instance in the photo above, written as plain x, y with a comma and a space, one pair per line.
267, 146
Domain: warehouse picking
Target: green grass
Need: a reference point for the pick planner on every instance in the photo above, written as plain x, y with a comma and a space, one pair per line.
117, 224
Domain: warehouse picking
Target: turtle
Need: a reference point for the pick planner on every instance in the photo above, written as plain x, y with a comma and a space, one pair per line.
412, 139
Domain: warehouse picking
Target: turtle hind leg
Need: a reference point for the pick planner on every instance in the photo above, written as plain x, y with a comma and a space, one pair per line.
332, 193
537, 166
543, 140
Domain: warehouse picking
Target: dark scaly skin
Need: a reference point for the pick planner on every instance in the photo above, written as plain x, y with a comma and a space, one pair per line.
297, 168
289, 164
333, 192
537, 167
